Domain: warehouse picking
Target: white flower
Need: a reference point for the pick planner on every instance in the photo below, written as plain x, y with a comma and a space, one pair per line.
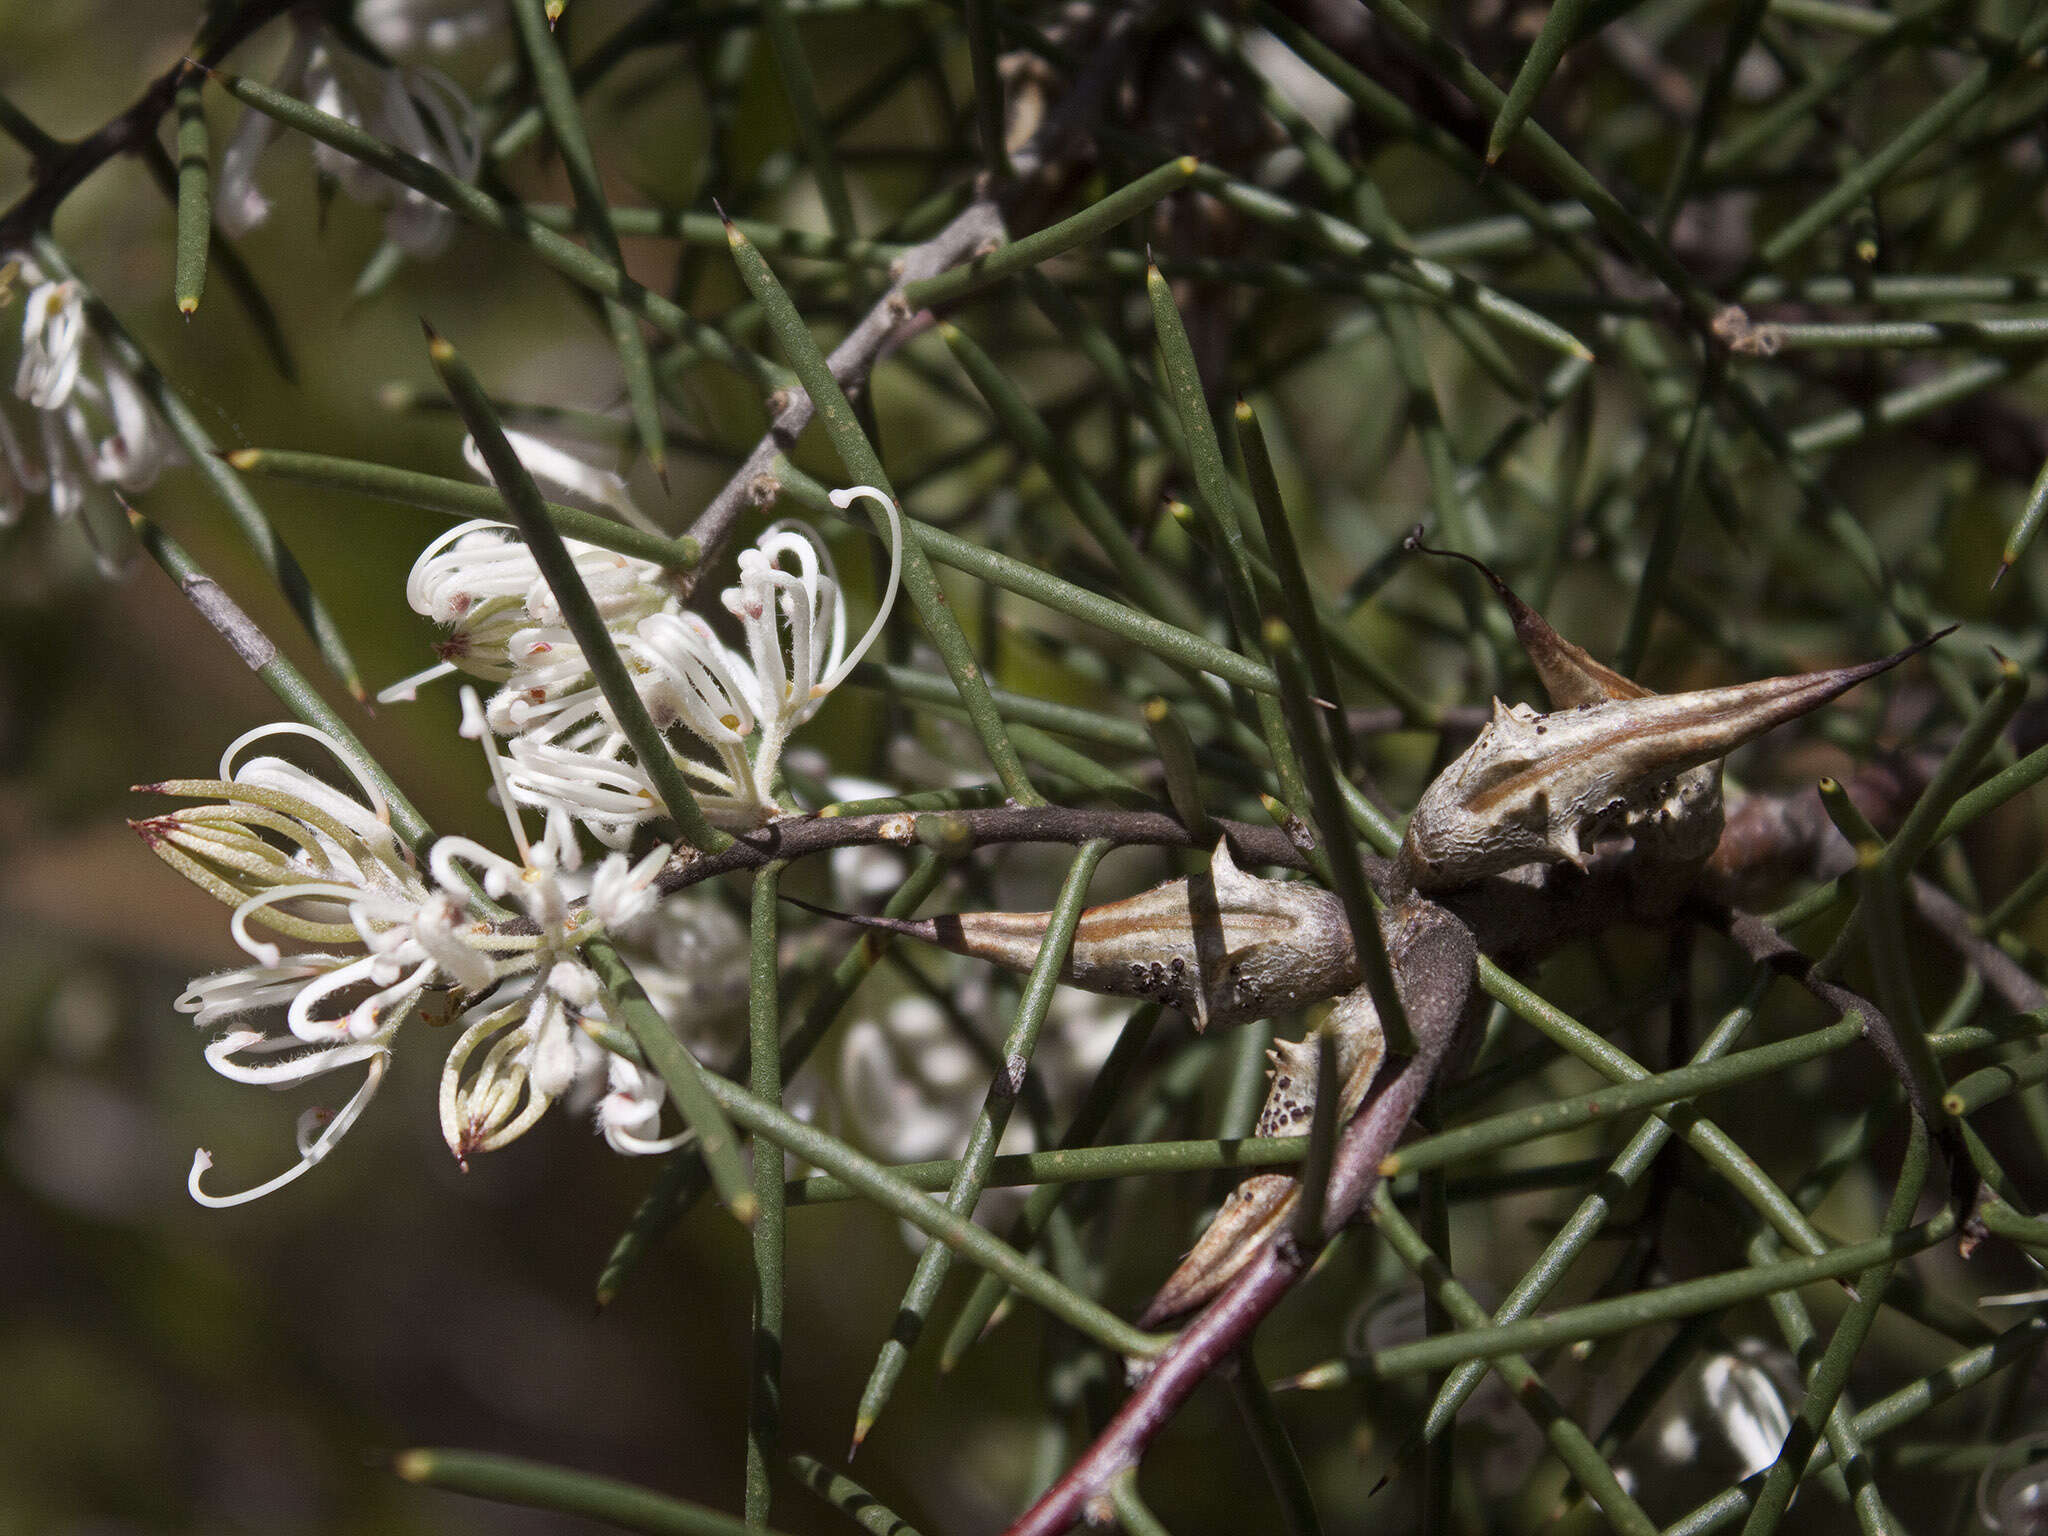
417, 109
726, 698
629, 1115
2012, 1490
439, 26
306, 861
909, 1083
92, 425
610, 797
1740, 1396
690, 954
481, 580
622, 894
568, 754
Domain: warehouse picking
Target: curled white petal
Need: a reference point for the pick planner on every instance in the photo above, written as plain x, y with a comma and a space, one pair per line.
629, 1115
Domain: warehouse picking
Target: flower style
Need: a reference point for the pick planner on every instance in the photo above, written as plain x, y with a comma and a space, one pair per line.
567, 753
92, 423
306, 861
416, 108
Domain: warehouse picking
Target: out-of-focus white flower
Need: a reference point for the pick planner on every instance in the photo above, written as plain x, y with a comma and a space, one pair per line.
2012, 1491
1744, 1402
866, 873
306, 861
566, 475
91, 425
438, 26
690, 954
909, 1086
414, 108
1725, 1420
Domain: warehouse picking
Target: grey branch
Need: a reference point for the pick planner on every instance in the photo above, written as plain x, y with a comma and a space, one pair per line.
884, 328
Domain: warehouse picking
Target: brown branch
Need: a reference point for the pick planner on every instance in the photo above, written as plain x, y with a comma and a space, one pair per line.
1435, 959
960, 831
1767, 947
2003, 974
58, 171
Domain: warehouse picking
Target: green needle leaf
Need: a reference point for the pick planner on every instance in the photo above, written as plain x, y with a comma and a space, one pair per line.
195, 195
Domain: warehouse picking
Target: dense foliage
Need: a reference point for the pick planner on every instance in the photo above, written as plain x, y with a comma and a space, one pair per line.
983, 441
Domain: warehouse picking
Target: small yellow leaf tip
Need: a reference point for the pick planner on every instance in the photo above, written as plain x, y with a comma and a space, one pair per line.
244, 458
187, 307
413, 1466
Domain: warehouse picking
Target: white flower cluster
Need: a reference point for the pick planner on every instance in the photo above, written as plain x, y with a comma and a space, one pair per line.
91, 426
414, 107
306, 861
567, 752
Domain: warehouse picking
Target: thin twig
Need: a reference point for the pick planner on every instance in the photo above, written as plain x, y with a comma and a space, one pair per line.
59, 172
960, 831
885, 327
